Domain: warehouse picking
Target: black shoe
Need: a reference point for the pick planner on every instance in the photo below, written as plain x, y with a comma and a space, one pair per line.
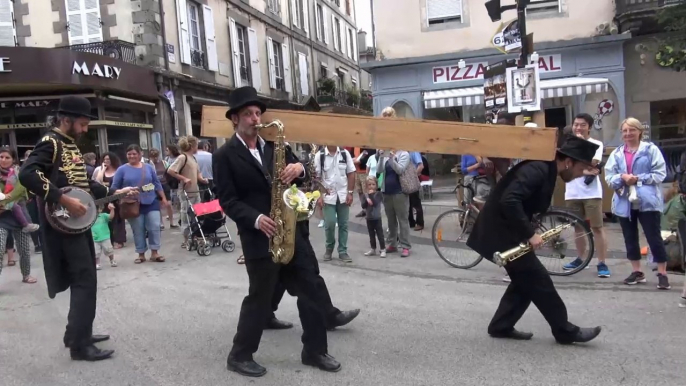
94, 339
249, 368
342, 318
38, 250
322, 361
276, 324
584, 335
90, 353
635, 278
514, 334
663, 282
361, 214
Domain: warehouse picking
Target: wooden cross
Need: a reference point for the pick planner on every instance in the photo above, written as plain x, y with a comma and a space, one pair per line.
437, 137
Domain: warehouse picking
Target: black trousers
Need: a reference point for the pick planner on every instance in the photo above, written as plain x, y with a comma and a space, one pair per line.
375, 229
299, 277
416, 204
531, 283
32, 207
650, 222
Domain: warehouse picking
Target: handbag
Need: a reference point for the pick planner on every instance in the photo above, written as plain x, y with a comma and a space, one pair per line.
130, 207
409, 181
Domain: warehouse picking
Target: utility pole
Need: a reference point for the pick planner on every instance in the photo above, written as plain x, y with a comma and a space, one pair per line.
521, 23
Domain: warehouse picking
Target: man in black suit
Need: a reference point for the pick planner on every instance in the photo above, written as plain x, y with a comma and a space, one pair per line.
243, 169
506, 221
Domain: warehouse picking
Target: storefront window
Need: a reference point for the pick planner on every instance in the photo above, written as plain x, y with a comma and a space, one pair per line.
119, 139
27, 139
668, 122
88, 143
124, 115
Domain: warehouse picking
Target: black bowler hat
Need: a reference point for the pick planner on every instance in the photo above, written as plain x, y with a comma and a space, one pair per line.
578, 149
243, 97
75, 106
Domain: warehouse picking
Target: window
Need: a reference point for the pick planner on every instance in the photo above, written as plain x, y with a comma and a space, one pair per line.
83, 20
7, 31
351, 43
347, 7
278, 66
274, 6
241, 37
337, 36
337, 2
321, 27
194, 22
300, 12
443, 11
541, 6
322, 71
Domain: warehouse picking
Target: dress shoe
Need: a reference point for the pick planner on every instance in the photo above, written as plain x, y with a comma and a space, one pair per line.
90, 353
276, 324
94, 339
514, 334
584, 335
342, 318
322, 361
249, 368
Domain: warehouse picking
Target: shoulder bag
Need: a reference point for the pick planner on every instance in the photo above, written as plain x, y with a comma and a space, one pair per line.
409, 181
130, 207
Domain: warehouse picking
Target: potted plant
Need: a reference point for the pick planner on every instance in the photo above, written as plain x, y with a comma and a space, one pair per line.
353, 96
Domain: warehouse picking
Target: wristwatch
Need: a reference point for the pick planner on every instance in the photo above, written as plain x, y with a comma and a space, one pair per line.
351, 191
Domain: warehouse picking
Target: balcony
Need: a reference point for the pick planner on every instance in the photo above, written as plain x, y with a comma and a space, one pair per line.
116, 49
638, 16
352, 98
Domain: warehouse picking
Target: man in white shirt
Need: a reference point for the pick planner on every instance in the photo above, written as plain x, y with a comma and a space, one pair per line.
204, 158
585, 196
336, 170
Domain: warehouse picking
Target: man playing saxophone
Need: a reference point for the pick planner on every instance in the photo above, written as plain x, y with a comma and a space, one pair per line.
243, 170
506, 221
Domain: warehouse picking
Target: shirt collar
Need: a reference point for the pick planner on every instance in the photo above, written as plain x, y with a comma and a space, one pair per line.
326, 149
259, 139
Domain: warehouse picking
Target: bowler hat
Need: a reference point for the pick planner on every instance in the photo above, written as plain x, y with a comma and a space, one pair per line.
578, 149
243, 97
75, 106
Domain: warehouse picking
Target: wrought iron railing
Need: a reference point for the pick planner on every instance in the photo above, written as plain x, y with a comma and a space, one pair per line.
352, 99
197, 59
117, 49
624, 6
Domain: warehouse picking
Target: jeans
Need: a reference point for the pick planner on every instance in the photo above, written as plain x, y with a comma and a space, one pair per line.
397, 211
332, 213
375, 229
146, 223
650, 222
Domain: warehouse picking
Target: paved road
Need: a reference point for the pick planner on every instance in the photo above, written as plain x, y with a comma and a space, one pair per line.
422, 323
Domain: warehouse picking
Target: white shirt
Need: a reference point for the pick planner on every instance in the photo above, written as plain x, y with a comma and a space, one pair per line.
577, 188
372, 162
204, 159
335, 174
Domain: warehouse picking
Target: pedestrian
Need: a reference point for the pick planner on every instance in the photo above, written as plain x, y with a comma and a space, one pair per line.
101, 236
584, 195
204, 157
635, 171
105, 175
372, 208
335, 167
505, 222
161, 167
361, 157
415, 198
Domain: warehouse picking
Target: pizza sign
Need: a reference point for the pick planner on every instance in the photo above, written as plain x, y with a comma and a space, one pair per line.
453, 73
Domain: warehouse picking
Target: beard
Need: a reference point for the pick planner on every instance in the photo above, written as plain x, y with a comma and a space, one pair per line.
566, 175
72, 132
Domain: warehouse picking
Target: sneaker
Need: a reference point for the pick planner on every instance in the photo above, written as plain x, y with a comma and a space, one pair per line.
391, 249
371, 252
383, 253
98, 267
345, 258
113, 263
635, 278
30, 228
573, 265
663, 282
321, 224
682, 302
507, 279
328, 255
405, 253
603, 270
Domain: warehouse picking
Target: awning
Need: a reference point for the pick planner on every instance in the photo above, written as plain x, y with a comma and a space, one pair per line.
551, 88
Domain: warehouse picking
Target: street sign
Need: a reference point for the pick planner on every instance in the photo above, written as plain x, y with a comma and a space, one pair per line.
507, 38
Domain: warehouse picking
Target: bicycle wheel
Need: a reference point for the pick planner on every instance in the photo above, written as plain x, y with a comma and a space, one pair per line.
572, 243
449, 236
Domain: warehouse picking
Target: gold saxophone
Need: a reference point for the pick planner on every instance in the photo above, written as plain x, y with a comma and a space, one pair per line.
502, 258
282, 244
314, 183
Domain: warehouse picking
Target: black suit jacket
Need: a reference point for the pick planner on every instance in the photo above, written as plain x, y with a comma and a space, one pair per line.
505, 221
244, 190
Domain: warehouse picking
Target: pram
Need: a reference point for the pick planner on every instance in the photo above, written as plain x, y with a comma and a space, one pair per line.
206, 220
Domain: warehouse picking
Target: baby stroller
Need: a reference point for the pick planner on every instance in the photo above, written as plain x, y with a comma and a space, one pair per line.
207, 227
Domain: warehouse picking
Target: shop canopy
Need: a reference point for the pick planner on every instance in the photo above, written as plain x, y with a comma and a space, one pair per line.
551, 88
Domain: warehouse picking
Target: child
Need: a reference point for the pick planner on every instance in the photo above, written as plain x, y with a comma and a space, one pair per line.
101, 236
16, 202
372, 207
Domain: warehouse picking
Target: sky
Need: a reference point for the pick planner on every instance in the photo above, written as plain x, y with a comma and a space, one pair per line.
363, 16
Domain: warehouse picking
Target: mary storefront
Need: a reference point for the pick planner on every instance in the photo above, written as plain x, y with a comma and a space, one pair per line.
582, 75
123, 96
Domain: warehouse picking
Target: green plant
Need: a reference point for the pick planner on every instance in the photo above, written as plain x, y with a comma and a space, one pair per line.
353, 96
671, 51
327, 85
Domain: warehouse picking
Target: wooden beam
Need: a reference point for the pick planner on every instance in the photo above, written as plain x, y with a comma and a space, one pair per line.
437, 137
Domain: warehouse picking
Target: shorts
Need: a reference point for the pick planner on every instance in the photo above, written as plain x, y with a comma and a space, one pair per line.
481, 186
104, 248
590, 209
361, 182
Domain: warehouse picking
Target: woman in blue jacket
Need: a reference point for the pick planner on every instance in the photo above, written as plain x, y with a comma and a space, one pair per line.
635, 171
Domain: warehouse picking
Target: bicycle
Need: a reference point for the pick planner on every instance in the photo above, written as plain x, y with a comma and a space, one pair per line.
461, 220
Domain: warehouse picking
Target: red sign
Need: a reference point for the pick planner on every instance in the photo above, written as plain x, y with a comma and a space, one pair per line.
471, 71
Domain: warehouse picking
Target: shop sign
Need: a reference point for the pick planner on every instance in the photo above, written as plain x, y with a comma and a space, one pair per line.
106, 71
171, 56
23, 126
3, 65
121, 124
472, 71
23, 104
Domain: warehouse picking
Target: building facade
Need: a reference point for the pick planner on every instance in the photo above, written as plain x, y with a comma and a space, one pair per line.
431, 61
150, 65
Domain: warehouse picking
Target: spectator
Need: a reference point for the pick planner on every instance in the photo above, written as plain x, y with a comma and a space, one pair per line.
361, 157
89, 160
415, 198
204, 157
105, 175
161, 167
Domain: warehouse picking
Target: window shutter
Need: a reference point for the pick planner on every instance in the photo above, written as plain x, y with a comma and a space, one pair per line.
317, 20
438, 9
255, 70
235, 54
287, 77
334, 32
91, 12
210, 39
306, 17
304, 79
294, 12
83, 17
355, 53
7, 31
326, 25
272, 70
184, 35
343, 31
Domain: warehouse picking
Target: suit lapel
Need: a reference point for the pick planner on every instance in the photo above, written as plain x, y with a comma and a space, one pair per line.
245, 154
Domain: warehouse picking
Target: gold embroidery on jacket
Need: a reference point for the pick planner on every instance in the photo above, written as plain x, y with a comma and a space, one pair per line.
46, 184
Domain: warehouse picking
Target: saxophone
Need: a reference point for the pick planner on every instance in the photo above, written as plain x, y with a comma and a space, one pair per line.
282, 244
314, 183
502, 258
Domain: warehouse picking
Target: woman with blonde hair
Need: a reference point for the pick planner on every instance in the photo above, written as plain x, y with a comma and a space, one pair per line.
635, 171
